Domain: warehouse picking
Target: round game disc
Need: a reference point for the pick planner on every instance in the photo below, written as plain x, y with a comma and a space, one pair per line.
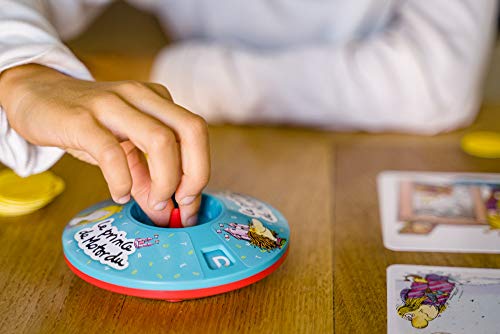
483, 144
20, 195
238, 240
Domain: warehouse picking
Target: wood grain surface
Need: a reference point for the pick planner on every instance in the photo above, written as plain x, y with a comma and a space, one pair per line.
324, 183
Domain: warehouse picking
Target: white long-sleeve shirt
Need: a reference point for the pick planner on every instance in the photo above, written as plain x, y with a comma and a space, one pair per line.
373, 65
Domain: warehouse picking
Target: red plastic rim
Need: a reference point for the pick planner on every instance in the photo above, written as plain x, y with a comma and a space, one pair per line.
178, 295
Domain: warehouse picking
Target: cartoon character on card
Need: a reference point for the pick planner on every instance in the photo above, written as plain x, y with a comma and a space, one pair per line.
97, 215
425, 299
493, 208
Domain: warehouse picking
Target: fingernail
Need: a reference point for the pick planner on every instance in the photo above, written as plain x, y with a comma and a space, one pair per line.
160, 206
191, 221
124, 199
187, 200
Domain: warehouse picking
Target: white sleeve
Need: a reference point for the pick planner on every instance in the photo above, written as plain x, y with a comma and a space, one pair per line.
422, 74
27, 36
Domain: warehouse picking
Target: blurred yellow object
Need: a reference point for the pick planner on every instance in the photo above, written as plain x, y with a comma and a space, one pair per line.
483, 144
20, 196
494, 221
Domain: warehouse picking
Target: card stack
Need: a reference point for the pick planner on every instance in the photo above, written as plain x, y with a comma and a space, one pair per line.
20, 196
441, 212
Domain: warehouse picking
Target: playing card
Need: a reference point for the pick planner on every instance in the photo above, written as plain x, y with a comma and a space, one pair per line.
444, 212
424, 299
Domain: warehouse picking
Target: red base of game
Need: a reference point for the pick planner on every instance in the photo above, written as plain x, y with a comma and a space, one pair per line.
178, 295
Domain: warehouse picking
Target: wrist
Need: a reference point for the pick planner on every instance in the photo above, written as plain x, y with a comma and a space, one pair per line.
5, 85
15, 82
9, 80
13, 78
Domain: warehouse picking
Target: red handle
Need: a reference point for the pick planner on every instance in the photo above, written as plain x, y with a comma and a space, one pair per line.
175, 219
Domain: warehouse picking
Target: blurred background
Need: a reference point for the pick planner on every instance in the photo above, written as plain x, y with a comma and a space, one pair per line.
129, 39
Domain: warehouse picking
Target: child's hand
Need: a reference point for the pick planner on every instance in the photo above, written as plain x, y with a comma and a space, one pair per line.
109, 124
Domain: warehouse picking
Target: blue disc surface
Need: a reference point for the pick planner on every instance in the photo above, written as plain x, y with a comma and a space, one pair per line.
236, 237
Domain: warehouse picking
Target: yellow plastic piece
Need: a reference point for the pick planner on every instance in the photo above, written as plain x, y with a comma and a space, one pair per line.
483, 144
20, 196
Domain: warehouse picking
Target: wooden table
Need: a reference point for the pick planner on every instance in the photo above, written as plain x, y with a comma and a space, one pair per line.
324, 183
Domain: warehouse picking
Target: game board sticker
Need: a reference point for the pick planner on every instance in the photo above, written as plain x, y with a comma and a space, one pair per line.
100, 212
252, 207
424, 299
105, 243
139, 254
252, 240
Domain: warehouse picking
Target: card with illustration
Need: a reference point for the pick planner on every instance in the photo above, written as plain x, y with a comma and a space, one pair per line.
430, 300
444, 212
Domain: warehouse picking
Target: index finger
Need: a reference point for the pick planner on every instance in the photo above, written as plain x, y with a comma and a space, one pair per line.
190, 129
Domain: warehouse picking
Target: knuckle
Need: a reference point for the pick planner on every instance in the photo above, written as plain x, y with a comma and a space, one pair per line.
109, 154
131, 86
197, 127
110, 158
104, 99
83, 119
161, 138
